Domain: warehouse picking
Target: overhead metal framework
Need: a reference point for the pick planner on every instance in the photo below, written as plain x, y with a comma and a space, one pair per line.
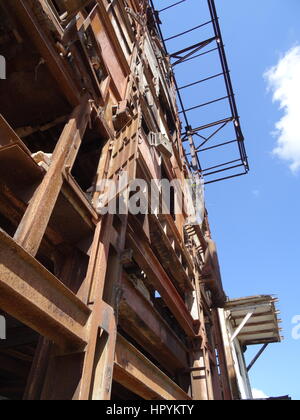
195, 136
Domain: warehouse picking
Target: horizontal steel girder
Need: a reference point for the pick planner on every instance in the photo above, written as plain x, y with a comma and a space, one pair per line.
31, 294
149, 263
134, 371
142, 322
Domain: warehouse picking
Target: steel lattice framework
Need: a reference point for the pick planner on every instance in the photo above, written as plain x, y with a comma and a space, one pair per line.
197, 142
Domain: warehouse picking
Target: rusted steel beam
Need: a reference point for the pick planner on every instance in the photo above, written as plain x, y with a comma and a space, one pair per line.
202, 381
136, 373
38, 371
105, 272
30, 233
97, 374
96, 275
212, 275
31, 294
55, 63
96, 278
8, 136
107, 319
74, 6
104, 355
141, 321
147, 261
79, 201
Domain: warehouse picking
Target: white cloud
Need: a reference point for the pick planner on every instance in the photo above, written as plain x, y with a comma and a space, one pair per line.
284, 81
257, 394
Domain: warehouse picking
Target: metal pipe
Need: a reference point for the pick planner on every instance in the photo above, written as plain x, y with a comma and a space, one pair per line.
226, 169
172, 5
201, 81
225, 178
218, 145
261, 351
188, 31
205, 104
220, 166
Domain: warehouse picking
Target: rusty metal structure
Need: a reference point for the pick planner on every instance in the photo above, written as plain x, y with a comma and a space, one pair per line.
115, 306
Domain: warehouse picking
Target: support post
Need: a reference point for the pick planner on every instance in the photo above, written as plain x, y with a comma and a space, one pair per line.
30, 233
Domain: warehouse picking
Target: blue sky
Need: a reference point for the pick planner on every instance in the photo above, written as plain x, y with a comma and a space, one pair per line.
255, 219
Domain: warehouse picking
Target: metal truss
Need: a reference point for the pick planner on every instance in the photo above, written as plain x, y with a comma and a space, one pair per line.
197, 144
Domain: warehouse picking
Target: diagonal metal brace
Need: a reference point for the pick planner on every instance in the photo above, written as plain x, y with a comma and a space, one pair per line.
242, 325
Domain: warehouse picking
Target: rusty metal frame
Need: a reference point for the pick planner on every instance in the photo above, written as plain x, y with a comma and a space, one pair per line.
56, 65
155, 335
147, 261
169, 311
29, 292
136, 372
